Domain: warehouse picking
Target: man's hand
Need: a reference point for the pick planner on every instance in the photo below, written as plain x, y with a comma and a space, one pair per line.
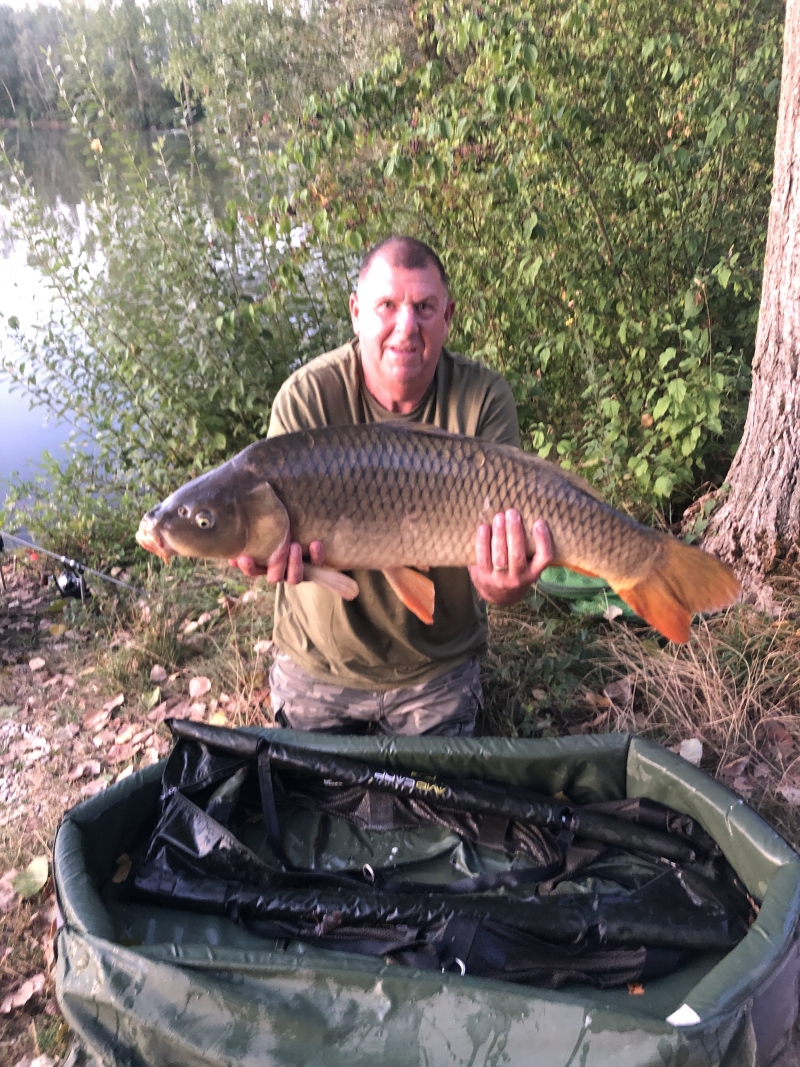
284, 565
503, 573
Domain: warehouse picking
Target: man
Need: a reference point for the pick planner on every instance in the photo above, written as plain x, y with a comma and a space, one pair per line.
370, 663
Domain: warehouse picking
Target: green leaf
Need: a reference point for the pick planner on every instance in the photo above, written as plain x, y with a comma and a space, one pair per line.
13, 322
32, 880
666, 357
661, 408
530, 225
219, 442
152, 698
691, 308
664, 485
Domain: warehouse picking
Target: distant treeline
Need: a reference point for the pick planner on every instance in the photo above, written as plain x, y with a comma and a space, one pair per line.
149, 60
129, 46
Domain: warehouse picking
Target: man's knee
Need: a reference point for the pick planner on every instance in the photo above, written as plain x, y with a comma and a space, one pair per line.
446, 706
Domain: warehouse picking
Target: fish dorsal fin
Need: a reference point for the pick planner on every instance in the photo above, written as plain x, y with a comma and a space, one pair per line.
414, 590
329, 578
267, 523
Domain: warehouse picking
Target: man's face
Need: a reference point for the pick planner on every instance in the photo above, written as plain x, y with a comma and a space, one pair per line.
401, 318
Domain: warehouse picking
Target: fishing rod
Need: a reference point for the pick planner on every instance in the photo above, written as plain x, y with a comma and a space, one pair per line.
71, 566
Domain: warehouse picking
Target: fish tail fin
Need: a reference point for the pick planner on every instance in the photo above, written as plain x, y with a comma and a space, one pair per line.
413, 590
329, 578
682, 580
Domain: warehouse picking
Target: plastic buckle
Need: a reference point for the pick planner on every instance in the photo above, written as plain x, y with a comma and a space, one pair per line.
462, 970
368, 873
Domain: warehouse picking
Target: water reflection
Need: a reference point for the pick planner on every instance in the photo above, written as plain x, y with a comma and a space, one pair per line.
64, 173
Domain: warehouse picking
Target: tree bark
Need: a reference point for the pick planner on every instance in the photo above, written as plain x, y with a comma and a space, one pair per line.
757, 528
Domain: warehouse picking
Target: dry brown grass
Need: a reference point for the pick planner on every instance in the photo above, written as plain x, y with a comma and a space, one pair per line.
735, 686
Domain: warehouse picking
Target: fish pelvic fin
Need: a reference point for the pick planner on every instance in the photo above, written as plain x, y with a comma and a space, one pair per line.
329, 578
682, 580
413, 590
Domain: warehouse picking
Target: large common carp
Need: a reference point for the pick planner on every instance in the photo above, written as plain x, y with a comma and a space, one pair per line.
390, 498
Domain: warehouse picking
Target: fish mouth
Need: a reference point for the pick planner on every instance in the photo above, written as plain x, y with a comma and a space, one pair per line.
152, 541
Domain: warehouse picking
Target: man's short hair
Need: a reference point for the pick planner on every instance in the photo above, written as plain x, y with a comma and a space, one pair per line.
406, 252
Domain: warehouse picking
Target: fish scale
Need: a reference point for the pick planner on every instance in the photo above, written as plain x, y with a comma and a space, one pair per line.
354, 479
391, 497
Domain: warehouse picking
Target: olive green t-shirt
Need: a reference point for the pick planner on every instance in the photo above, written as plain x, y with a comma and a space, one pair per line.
374, 642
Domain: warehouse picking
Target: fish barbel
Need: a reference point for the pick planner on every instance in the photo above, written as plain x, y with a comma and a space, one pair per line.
391, 498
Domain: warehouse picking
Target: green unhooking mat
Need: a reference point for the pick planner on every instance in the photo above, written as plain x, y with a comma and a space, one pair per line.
274, 897
584, 595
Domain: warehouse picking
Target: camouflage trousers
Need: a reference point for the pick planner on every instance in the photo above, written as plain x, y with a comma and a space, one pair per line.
445, 706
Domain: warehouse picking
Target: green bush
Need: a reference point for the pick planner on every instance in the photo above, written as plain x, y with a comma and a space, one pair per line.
596, 176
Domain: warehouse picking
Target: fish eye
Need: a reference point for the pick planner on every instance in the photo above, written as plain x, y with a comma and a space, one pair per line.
204, 519
183, 511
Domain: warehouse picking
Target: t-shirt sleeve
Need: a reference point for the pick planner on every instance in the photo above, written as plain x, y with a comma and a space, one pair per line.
283, 417
498, 417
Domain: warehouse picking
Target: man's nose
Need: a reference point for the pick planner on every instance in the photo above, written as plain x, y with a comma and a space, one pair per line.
406, 321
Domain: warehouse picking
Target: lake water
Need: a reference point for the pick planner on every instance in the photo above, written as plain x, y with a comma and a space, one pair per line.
55, 162
55, 166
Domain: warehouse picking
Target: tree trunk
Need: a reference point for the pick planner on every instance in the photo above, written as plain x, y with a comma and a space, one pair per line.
757, 529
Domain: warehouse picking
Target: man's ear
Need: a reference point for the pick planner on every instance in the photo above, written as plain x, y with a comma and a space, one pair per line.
449, 309
354, 312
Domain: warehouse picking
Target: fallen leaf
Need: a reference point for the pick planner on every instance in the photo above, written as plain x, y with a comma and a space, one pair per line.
58, 629
122, 753
761, 770
125, 734
22, 995
158, 675
249, 596
691, 750
89, 768
123, 868
174, 707
32, 880
197, 711
150, 757
152, 698
104, 737
36, 664
91, 789
620, 692
126, 772
613, 611
219, 718
198, 687
790, 793
93, 720
735, 767
635, 989
743, 786
44, 1061
777, 733
115, 702
7, 895
263, 648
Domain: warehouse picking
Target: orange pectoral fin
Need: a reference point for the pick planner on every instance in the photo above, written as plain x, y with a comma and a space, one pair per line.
328, 578
413, 590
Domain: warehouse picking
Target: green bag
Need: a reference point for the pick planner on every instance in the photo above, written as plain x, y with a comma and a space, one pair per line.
144, 984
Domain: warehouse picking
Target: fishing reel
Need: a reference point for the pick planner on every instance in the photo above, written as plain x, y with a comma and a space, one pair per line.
71, 582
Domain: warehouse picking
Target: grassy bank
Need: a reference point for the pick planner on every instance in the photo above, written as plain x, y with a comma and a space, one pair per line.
84, 690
